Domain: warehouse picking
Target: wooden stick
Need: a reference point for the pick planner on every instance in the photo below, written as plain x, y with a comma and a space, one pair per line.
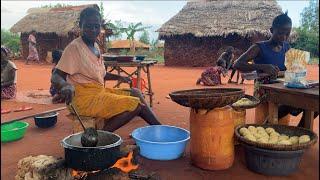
33, 115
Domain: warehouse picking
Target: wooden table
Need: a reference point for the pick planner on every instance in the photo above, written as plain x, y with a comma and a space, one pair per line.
307, 99
143, 66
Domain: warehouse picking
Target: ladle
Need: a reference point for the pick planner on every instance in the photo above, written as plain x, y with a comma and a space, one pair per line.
89, 137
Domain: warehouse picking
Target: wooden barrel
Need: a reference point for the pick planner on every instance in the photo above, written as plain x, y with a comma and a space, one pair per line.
239, 118
211, 138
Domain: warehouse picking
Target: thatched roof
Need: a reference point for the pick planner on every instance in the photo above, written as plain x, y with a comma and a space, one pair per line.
125, 44
220, 18
51, 20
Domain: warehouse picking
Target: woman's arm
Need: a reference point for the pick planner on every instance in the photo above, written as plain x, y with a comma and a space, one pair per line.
110, 76
58, 79
11, 77
242, 64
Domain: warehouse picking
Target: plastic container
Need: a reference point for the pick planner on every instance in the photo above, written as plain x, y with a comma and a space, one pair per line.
46, 121
13, 131
143, 83
295, 79
212, 142
271, 162
161, 142
140, 57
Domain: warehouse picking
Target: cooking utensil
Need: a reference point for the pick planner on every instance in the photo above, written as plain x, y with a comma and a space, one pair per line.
47, 120
103, 156
33, 115
89, 137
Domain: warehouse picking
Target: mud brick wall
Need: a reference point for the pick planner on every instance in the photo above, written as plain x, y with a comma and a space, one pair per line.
193, 51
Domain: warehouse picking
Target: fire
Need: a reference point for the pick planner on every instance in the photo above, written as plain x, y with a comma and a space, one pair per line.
78, 174
125, 164
81, 174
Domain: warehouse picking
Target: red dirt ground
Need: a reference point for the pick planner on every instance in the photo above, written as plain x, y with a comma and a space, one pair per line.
165, 79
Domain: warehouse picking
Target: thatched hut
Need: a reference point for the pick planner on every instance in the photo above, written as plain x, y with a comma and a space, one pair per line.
201, 30
116, 46
55, 27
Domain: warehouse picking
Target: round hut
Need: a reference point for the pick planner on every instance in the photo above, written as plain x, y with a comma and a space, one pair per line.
201, 30
55, 27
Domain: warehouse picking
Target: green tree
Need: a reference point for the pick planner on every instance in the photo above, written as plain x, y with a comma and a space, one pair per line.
145, 37
101, 10
117, 28
56, 5
131, 30
10, 40
154, 44
310, 17
308, 32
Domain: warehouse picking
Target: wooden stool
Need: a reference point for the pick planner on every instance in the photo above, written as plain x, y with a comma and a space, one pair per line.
97, 123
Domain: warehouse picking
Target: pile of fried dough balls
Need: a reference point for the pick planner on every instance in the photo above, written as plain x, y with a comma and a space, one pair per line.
270, 136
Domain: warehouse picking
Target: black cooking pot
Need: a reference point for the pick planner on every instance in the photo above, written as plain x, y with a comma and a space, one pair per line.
103, 156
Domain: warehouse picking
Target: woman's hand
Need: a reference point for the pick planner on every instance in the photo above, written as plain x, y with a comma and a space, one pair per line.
67, 92
270, 69
281, 74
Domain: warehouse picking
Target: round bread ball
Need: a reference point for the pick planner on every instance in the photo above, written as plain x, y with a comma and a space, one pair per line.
304, 139
257, 135
270, 130
285, 142
274, 134
263, 133
273, 140
259, 128
250, 137
252, 129
294, 139
283, 137
243, 131
262, 140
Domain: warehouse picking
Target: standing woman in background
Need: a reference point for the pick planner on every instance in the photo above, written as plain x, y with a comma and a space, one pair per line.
33, 53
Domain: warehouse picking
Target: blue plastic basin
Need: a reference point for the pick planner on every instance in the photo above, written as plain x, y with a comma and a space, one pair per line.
161, 142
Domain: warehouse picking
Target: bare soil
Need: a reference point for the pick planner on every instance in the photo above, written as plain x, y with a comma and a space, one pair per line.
164, 80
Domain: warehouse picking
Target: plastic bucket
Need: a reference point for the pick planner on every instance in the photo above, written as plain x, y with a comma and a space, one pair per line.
271, 162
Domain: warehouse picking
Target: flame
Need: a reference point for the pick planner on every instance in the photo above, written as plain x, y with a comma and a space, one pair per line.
125, 164
81, 174
78, 174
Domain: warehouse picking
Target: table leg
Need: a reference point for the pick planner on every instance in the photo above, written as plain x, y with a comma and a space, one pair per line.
308, 121
149, 86
118, 71
273, 113
139, 77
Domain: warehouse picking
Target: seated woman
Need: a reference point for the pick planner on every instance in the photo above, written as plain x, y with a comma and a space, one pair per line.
80, 77
57, 98
212, 75
269, 58
8, 75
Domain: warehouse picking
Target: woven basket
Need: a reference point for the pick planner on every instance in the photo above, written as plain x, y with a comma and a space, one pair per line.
255, 103
207, 98
281, 129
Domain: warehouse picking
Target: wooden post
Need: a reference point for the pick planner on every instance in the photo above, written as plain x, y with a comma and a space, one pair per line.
139, 77
308, 119
118, 71
150, 93
273, 113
